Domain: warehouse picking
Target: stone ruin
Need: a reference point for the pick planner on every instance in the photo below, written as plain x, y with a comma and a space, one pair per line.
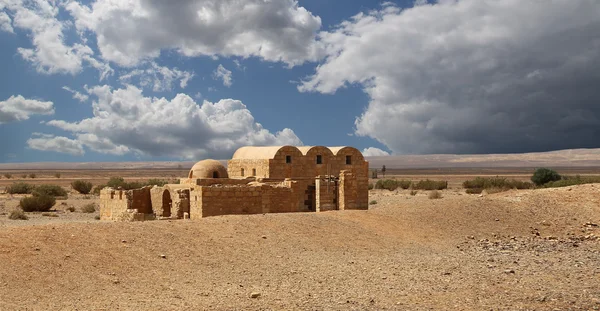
257, 180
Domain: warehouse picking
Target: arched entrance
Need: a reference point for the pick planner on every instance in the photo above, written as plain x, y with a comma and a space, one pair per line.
166, 204
215, 174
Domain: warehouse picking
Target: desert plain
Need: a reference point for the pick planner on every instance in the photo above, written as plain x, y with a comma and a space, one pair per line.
515, 250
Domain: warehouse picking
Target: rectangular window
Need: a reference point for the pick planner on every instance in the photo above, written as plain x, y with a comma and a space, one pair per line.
288, 159
319, 159
253, 172
242, 172
348, 160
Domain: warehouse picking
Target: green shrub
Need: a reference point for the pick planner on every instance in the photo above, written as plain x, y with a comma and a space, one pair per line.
32, 175
50, 190
17, 215
115, 182
544, 175
89, 208
391, 184
404, 184
435, 194
572, 181
40, 203
480, 183
19, 188
97, 189
8, 176
474, 190
373, 202
431, 185
81, 186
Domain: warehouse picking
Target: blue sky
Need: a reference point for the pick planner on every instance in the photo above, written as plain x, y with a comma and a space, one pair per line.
139, 80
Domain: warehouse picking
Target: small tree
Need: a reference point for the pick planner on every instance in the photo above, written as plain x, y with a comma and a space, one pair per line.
544, 175
383, 171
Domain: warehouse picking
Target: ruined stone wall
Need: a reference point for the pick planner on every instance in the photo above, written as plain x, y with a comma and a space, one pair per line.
348, 191
235, 166
228, 200
326, 195
125, 205
279, 199
177, 204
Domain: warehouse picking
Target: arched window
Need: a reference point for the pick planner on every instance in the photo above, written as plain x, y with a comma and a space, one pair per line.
215, 174
253, 172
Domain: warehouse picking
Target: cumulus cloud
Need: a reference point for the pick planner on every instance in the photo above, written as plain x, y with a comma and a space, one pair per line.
60, 144
160, 78
50, 54
5, 22
125, 121
76, 95
18, 108
128, 32
374, 152
223, 74
471, 76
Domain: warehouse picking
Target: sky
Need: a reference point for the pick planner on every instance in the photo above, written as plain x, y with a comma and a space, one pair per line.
152, 80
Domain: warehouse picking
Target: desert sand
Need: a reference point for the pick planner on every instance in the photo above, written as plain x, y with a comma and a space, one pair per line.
515, 250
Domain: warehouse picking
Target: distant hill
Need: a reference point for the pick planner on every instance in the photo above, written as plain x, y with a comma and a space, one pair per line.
561, 158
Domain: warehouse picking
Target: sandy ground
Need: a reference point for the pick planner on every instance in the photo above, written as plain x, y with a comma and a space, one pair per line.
517, 250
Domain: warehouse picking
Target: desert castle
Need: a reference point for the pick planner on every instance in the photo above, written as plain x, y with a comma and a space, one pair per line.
257, 180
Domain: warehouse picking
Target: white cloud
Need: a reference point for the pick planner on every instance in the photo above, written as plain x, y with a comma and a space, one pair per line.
5, 23
128, 32
50, 54
56, 144
374, 152
76, 95
160, 78
125, 121
471, 75
224, 75
18, 108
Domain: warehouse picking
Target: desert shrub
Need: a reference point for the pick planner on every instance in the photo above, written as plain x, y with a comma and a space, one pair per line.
373, 202
32, 175
40, 203
17, 215
71, 208
371, 186
8, 176
24, 176
474, 190
19, 188
435, 194
97, 217
133, 185
57, 175
404, 184
96, 190
544, 175
414, 192
89, 208
115, 182
50, 190
81, 186
573, 180
431, 185
480, 183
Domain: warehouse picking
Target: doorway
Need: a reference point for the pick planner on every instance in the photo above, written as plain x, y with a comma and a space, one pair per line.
310, 198
166, 204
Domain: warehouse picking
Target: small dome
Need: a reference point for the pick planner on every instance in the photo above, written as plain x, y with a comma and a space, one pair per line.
208, 169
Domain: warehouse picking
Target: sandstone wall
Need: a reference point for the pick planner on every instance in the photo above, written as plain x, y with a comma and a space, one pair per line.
125, 205
326, 195
218, 200
235, 166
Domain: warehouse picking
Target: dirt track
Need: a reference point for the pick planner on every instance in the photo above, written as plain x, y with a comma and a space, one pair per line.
514, 250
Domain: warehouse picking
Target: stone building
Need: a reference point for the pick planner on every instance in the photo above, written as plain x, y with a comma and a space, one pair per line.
257, 180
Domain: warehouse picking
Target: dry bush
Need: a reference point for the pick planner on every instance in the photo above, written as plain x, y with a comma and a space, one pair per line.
40, 203
71, 208
81, 186
89, 208
474, 190
49, 214
8, 176
495, 182
414, 192
19, 188
373, 202
431, 185
435, 194
17, 215
57, 175
51, 190
32, 175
